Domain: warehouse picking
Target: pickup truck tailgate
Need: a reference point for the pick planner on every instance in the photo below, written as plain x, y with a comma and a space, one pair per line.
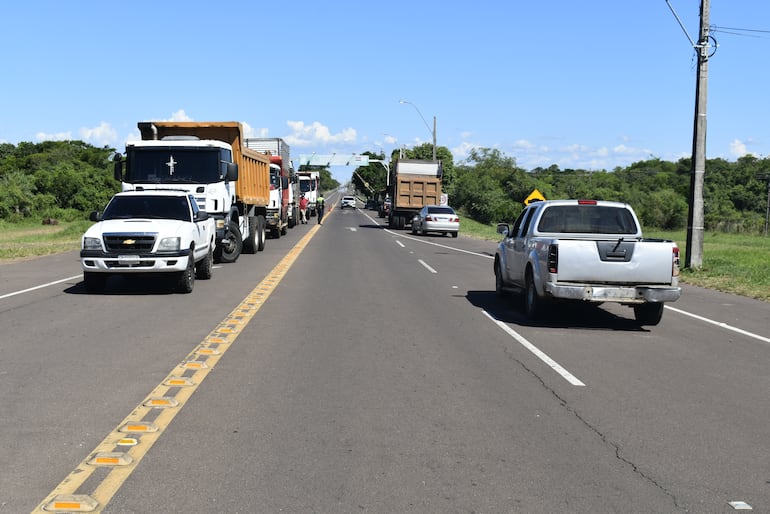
632, 262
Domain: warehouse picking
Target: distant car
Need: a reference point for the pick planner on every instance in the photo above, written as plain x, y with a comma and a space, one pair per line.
436, 218
348, 201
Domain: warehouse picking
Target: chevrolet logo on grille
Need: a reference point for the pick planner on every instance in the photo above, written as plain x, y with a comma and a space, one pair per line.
129, 241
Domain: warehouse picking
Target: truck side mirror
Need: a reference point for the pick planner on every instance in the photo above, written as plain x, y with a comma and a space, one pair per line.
504, 229
117, 163
231, 171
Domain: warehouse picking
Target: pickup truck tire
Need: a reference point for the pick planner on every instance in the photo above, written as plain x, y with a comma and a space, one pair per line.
648, 313
185, 280
499, 284
94, 282
455, 234
230, 252
533, 304
204, 267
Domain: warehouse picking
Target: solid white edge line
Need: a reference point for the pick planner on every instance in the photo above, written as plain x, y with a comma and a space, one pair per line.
721, 324
39, 287
569, 377
425, 264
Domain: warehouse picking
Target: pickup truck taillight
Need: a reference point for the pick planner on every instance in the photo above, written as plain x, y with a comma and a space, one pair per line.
675, 261
553, 258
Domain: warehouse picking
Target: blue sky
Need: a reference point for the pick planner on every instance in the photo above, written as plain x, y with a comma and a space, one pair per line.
593, 84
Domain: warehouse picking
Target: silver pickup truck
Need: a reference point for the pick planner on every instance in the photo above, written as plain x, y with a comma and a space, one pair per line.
586, 250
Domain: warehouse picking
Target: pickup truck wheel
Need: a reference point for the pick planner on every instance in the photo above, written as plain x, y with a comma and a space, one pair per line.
533, 304
94, 282
186, 279
204, 267
648, 313
455, 234
260, 233
250, 243
231, 250
499, 284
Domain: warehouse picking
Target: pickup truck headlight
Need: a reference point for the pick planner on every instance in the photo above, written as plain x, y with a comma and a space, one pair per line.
169, 244
92, 243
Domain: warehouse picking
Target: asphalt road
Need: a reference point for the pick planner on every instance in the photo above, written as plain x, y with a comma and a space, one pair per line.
351, 368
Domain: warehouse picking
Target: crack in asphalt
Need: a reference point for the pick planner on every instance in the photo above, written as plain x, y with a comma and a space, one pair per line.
595, 430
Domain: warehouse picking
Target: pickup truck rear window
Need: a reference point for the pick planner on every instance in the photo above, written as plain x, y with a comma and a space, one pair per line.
587, 219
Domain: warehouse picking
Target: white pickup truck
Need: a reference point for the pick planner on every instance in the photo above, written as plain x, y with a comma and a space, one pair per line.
586, 250
149, 231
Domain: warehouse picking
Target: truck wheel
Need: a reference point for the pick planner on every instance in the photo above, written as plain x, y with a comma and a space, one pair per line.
499, 284
230, 248
455, 234
204, 267
283, 230
250, 243
186, 279
533, 304
648, 313
275, 233
260, 233
94, 282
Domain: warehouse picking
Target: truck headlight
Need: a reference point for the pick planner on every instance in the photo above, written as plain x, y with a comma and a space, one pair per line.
92, 243
169, 244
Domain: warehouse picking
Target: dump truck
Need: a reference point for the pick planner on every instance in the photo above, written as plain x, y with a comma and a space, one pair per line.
281, 210
209, 160
413, 185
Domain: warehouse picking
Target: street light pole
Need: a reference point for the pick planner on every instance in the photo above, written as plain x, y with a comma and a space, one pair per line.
433, 132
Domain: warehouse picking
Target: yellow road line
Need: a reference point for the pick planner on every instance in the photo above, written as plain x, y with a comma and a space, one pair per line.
168, 397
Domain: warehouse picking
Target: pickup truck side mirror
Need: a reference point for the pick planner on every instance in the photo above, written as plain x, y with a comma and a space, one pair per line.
95, 216
504, 229
201, 216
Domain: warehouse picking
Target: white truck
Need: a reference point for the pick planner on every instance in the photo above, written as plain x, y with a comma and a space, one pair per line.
281, 209
208, 159
149, 231
309, 185
589, 251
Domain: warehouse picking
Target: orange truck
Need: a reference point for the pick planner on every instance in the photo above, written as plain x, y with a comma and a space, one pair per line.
209, 160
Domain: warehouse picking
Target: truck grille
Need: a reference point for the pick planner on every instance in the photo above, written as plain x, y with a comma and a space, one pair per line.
129, 243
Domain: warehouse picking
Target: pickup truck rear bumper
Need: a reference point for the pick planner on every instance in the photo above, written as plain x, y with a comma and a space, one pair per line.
620, 294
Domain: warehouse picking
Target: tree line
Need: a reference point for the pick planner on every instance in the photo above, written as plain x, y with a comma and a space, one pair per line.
490, 187
67, 179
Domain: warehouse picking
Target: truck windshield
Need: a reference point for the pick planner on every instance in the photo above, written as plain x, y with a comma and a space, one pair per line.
275, 179
587, 219
306, 186
156, 207
162, 165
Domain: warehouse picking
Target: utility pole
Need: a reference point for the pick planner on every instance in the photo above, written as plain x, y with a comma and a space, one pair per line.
695, 218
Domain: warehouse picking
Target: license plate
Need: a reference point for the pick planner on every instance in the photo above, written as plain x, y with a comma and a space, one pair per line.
128, 259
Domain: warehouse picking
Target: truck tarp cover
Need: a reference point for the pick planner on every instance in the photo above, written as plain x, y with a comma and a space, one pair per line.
418, 168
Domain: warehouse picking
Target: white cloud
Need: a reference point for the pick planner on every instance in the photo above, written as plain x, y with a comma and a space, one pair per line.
317, 134
59, 136
179, 115
738, 148
103, 135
